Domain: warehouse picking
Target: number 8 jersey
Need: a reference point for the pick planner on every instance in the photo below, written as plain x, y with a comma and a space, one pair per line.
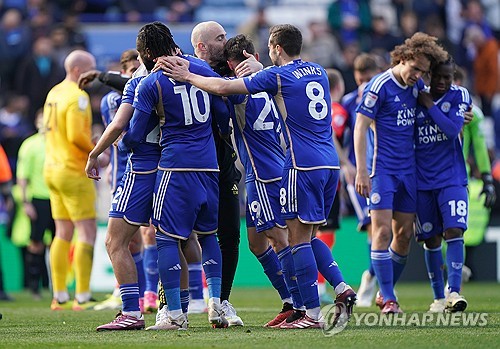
302, 94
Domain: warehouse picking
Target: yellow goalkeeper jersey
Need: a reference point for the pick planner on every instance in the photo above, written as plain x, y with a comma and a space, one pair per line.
68, 121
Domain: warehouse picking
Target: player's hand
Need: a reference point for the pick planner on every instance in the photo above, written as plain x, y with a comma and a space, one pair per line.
92, 168
468, 116
160, 61
87, 77
248, 66
363, 184
36, 247
490, 196
174, 67
425, 99
30, 211
349, 172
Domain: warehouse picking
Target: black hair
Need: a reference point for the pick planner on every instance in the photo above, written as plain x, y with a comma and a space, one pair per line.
233, 49
288, 37
155, 40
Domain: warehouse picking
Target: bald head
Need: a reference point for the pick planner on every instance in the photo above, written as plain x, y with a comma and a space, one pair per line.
208, 40
78, 62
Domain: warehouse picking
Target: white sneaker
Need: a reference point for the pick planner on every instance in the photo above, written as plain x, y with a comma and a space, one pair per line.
366, 290
455, 302
437, 306
215, 315
197, 306
162, 314
230, 314
165, 322
466, 273
112, 302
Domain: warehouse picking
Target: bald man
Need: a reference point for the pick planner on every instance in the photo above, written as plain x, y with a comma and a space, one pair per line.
208, 40
68, 121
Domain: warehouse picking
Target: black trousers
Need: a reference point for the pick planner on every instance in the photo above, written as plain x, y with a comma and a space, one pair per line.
35, 267
44, 219
228, 233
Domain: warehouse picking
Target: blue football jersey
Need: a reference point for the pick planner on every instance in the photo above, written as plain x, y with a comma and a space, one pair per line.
144, 156
440, 161
118, 158
185, 114
349, 102
257, 130
392, 106
302, 94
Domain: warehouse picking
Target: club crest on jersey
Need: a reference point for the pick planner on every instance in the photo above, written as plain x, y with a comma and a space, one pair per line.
375, 198
370, 99
83, 102
427, 227
457, 265
415, 91
445, 107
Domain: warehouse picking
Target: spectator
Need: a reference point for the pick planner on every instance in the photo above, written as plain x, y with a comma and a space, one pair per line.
76, 37
350, 20
473, 15
41, 23
409, 24
15, 41
14, 128
60, 41
381, 37
454, 21
322, 47
492, 14
257, 31
485, 65
349, 53
37, 74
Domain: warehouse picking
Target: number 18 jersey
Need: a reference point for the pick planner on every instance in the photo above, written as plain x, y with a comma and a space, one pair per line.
302, 94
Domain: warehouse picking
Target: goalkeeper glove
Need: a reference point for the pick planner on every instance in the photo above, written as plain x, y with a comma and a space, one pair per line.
488, 190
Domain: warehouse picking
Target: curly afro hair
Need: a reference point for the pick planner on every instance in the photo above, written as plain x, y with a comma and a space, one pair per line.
420, 44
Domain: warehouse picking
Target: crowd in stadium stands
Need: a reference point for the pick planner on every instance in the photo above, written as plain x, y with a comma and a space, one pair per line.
36, 36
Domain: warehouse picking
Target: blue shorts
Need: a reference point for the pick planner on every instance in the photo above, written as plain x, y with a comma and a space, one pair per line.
133, 199
441, 209
360, 205
308, 195
394, 192
263, 205
186, 202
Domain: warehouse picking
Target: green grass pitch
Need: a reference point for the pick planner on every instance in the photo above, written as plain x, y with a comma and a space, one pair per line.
30, 324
